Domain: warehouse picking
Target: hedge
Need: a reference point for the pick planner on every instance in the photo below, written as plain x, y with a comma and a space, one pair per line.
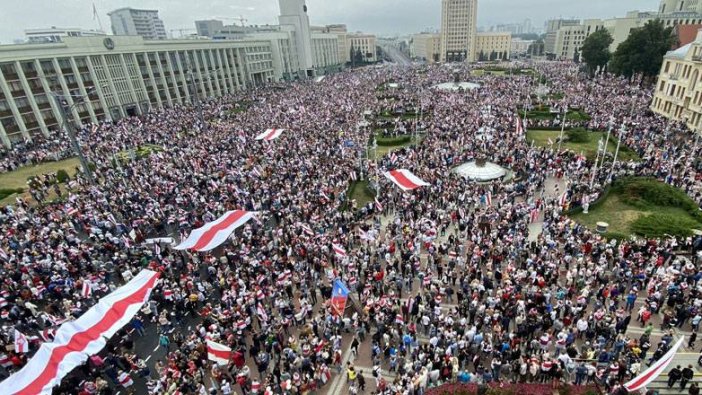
393, 141
5, 192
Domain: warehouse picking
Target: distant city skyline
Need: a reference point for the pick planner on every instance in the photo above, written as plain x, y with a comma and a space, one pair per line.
386, 17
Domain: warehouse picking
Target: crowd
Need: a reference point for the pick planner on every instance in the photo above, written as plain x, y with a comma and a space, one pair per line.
447, 284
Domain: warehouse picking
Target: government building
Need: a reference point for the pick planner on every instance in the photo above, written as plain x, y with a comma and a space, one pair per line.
111, 77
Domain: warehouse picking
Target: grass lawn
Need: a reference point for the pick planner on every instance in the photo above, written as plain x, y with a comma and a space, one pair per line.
625, 215
386, 149
589, 148
360, 192
18, 178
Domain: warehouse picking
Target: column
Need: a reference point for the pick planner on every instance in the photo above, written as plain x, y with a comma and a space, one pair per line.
215, 73
30, 98
3, 136
13, 107
132, 92
142, 86
164, 82
173, 79
186, 86
66, 93
47, 91
98, 87
233, 72
199, 75
83, 91
111, 84
152, 80
222, 53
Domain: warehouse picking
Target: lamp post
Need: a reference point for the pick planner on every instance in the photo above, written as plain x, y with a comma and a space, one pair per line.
616, 153
564, 113
64, 109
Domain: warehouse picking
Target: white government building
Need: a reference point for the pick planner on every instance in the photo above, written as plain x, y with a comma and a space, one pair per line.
129, 75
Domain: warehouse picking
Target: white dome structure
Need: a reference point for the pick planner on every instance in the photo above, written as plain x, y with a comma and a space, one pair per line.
455, 86
481, 171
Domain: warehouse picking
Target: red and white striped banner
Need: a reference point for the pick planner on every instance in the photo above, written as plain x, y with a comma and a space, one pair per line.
339, 250
21, 342
77, 340
405, 179
214, 233
270, 134
654, 370
218, 353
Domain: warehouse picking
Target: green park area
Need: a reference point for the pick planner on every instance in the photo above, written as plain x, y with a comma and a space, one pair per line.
643, 207
15, 182
361, 193
544, 113
580, 140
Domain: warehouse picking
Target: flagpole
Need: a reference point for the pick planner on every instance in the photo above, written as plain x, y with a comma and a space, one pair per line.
616, 154
604, 154
594, 169
560, 138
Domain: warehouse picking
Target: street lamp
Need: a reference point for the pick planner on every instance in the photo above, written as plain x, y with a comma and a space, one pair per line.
65, 109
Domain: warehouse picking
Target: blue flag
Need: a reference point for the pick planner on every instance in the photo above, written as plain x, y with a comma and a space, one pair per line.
339, 295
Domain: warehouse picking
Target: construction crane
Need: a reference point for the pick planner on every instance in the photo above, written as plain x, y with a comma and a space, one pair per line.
241, 19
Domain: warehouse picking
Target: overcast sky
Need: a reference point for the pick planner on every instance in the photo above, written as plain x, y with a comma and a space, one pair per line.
382, 17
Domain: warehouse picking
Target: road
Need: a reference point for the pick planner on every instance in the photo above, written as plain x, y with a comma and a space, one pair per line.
397, 56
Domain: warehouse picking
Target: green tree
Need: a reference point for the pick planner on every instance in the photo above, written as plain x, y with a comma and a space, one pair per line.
643, 50
595, 50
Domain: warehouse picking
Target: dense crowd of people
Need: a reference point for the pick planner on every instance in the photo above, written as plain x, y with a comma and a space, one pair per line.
448, 283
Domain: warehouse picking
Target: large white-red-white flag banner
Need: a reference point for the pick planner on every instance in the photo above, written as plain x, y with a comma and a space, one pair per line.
654, 370
77, 340
270, 134
405, 179
218, 353
214, 233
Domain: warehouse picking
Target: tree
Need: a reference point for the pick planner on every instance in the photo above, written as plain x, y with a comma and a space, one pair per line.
493, 55
643, 51
595, 50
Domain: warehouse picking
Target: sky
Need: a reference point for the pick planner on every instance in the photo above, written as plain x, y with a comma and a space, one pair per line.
382, 17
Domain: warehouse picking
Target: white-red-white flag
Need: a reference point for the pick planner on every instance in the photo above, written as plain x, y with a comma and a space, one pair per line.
125, 380
218, 353
21, 342
214, 233
405, 179
86, 290
339, 250
654, 370
270, 134
378, 206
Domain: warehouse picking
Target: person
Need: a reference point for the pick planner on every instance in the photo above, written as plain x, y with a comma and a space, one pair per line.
361, 381
673, 376
694, 389
691, 341
686, 376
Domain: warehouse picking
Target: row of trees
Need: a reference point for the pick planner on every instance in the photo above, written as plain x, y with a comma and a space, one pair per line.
642, 52
494, 55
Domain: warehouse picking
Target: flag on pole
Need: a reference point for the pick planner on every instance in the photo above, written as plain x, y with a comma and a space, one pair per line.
378, 205
340, 294
218, 353
393, 158
125, 380
87, 290
262, 313
270, 134
21, 342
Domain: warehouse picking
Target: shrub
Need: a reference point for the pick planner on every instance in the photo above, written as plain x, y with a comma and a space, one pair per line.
393, 141
578, 135
62, 176
5, 192
647, 193
660, 225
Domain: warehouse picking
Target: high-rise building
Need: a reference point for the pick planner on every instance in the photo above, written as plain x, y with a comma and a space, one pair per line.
493, 46
134, 22
208, 28
293, 17
672, 6
458, 30
426, 46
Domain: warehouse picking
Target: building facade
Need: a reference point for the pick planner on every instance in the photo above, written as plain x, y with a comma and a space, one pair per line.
208, 28
293, 17
520, 47
363, 43
119, 76
458, 30
493, 46
426, 47
134, 22
678, 93
56, 34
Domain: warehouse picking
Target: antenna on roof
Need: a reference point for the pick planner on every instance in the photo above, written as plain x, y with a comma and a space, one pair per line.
96, 16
